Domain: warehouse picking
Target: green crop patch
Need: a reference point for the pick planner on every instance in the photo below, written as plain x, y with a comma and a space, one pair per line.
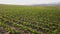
16, 19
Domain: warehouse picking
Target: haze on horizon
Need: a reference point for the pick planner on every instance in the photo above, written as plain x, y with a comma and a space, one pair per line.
27, 2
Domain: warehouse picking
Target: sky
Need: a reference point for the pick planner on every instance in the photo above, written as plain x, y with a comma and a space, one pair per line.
27, 2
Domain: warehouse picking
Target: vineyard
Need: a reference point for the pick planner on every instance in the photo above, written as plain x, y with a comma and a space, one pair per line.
29, 19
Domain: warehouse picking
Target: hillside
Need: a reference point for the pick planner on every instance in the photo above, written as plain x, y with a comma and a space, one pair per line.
29, 19
48, 4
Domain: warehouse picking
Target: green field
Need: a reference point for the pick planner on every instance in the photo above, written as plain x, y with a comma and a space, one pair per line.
15, 19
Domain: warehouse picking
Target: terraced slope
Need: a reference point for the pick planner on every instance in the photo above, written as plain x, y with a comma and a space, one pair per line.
29, 19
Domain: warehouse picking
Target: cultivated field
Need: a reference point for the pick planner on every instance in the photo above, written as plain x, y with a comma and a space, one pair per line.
29, 19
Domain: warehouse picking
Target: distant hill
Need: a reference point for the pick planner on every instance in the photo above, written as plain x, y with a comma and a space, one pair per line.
50, 4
